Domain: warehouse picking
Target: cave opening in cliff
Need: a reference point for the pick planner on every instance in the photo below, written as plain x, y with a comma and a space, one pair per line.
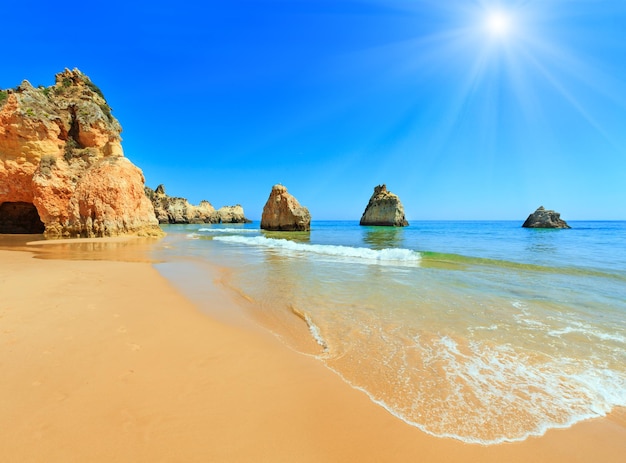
20, 218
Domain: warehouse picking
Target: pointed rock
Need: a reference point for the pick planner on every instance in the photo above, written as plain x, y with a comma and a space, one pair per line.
283, 212
543, 218
384, 209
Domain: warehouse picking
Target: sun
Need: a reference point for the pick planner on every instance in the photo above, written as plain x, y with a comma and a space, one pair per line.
498, 23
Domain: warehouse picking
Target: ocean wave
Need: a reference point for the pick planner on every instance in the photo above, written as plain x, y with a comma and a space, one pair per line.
400, 257
228, 230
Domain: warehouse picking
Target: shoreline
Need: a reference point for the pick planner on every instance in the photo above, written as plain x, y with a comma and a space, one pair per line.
109, 361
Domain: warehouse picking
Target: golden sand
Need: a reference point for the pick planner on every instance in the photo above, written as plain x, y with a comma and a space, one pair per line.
104, 361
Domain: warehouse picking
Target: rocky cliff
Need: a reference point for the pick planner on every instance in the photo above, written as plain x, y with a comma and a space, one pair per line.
543, 218
283, 212
385, 209
61, 159
170, 209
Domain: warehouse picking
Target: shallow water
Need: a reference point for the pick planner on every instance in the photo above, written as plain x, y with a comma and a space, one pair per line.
124, 249
481, 331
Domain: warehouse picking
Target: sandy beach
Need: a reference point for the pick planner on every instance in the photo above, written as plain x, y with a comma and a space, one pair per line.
105, 361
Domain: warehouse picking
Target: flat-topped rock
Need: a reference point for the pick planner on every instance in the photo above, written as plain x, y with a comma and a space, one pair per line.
384, 209
283, 212
232, 214
543, 218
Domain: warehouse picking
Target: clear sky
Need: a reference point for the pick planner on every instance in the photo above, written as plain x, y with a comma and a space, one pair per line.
467, 109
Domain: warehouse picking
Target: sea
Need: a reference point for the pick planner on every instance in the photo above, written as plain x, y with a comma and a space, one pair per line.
482, 331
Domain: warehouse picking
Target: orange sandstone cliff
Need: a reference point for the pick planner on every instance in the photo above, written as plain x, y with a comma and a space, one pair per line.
62, 167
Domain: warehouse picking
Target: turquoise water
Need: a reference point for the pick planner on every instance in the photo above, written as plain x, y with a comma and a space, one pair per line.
480, 331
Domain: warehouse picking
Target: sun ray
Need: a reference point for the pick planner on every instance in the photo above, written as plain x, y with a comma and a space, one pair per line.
569, 97
582, 71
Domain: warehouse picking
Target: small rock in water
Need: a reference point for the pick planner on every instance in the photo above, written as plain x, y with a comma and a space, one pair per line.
543, 218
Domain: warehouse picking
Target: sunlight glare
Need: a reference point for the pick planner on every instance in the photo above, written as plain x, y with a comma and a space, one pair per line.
498, 23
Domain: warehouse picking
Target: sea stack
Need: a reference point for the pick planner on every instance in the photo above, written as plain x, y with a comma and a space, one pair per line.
62, 168
384, 209
283, 212
543, 218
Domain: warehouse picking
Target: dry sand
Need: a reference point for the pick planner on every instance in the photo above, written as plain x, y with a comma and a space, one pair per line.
104, 361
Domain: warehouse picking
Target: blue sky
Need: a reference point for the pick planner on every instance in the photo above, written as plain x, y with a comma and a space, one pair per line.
220, 100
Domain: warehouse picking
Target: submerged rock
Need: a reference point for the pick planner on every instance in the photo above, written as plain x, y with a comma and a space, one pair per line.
384, 209
283, 212
543, 218
61, 157
169, 209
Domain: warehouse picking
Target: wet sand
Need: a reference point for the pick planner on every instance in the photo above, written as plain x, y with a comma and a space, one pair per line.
104, 361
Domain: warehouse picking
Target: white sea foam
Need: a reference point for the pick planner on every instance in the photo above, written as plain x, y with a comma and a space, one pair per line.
503, 395
525, 317
315, 332
589, 332
493, 327
228, 230
399, 257
556, 392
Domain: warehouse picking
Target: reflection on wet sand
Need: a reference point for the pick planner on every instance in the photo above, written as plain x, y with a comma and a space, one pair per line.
125, 249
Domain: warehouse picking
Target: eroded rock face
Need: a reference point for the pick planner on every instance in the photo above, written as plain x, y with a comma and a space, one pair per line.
60, 150
283, 212
543, 218
232, 214
170, 209
384, 209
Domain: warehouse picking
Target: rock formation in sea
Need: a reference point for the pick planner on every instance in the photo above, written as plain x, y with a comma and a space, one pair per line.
385, 209
543, 218
232, 214
283, 212
169, 209
62, 168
